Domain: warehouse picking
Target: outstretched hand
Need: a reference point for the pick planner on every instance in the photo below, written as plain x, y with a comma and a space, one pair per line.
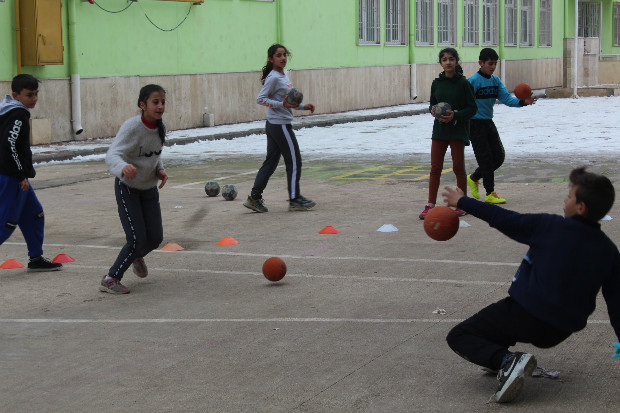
130, 171
531, 100
617, 353
452, 196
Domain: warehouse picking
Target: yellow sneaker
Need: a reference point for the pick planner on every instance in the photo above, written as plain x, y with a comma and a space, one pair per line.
493, 198
473, 187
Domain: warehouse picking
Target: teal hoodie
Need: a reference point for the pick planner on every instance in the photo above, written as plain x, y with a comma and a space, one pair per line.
458, 92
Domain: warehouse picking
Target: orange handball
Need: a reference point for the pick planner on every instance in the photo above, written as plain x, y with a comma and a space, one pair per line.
441, 223
274, 269
523, 91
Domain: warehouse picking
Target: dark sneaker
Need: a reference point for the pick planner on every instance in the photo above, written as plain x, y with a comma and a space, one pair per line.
113, 286
41, 264
257, 205
512, 375
139, 267
300, 204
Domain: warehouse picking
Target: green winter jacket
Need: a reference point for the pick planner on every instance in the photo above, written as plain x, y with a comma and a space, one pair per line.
459, 93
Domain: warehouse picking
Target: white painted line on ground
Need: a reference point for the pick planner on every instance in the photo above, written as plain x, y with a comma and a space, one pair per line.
243, 320
326, 276
321, 257
219, 178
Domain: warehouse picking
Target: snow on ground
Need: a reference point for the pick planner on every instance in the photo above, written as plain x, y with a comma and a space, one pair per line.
552, 128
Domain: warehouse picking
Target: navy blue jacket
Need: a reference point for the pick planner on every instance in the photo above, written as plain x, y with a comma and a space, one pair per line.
567, 264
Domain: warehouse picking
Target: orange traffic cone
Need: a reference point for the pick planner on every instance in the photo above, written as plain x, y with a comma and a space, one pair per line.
10, 264
171, 246
329, 230
228, 241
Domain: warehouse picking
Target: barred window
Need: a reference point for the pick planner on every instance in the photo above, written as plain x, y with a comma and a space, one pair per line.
368, 22
470, 12
527, 23
510, 22
446, 22
589, 19
424, 22
545, 24
616, 24
397, 22
490, 19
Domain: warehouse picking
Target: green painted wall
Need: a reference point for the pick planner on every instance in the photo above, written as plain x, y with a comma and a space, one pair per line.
233, 35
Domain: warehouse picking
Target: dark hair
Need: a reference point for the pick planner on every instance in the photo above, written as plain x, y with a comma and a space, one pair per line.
145, 93
269, 66
455, 54
595, 191
488, 54
24, 81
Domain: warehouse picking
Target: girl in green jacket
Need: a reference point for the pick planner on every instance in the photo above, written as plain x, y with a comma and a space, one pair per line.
452, 128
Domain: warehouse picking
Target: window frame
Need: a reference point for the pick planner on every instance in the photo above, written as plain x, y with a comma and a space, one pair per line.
369, 22
396, 22
446, 24
424, 23
526, 14
545, 23
511, 33
471, 24
490, 17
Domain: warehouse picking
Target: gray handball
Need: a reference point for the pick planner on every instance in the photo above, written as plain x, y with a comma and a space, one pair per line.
294, 96
441, 108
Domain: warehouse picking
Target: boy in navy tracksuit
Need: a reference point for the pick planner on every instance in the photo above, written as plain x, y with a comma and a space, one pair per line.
483, 134
19, 206
554, 290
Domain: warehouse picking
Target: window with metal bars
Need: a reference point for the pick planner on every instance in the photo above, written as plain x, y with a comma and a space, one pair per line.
470, 14
490, 19
396, 22
527, 23
446, 22
368, 22
589, 19
424, 22
510, 22
545, 24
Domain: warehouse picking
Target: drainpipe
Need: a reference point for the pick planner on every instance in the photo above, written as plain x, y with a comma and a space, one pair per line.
413, 68
576, 44
76, 104
279, 21
18, 39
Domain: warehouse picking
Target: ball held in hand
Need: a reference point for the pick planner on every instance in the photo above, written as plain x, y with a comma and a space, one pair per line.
441, 223
441, 109
523, 91
294, 96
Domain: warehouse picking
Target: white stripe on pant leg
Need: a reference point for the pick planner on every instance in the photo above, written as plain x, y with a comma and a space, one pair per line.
291, 147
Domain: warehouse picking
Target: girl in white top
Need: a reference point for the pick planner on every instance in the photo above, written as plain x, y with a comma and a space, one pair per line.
281, 140
134, 158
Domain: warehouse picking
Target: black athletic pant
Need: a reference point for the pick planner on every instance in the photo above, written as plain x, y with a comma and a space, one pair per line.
485, 337
140, 215
281, 140
488, 150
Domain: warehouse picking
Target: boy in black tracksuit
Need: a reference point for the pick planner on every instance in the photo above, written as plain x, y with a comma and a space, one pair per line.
554, 290
19, 206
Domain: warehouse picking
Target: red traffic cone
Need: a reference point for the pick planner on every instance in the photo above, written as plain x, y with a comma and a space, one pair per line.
11, 264
62, 258
329, 230
228, 241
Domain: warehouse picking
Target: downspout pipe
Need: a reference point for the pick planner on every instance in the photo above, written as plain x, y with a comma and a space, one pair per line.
76, 103
576, 45
18, 38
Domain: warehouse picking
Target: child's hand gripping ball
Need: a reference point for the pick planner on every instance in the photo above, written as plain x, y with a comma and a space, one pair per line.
294, 96
441, 223
274, 269
617, 353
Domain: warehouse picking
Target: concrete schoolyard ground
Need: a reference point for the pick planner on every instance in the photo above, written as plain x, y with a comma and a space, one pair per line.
357, 325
